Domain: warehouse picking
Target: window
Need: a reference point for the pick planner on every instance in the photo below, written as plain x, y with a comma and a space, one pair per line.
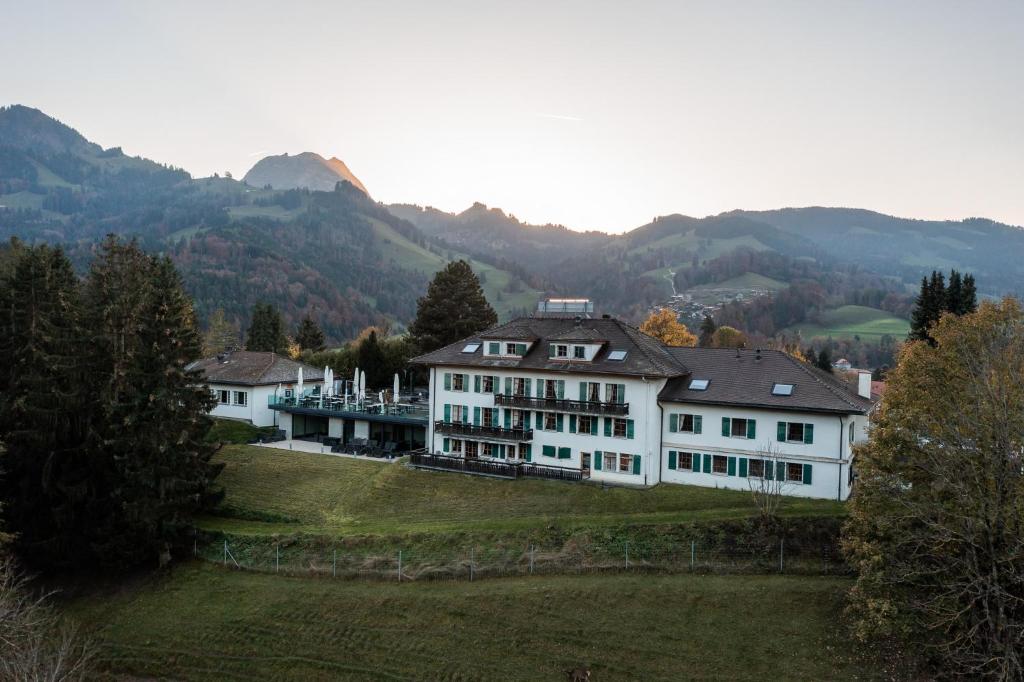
795, 432
511, 349
458, 382
685, 460
586, 424
684, 423
795, 472
458, 415
471, 348
617, 355
488, 416
516, 419
288, 393
487, 384
625, 463
851, 433
471, 448
613, 393
609, 461
739, 428
579, 352
550, 421
619, 428
240, 397
494, 348
519, 386
782, 389
488, 450
510, 452
720, 464
561, 351
456, 445
755, 468
594, 392
699, 384
225, 397
551, 389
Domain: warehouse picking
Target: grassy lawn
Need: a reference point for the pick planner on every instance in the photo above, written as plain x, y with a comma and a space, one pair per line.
232, 431
748, 280
850, 320
202, 622
340, 496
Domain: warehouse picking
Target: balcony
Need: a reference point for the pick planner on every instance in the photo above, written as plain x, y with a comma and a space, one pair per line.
561, 405
487, 467
516, 435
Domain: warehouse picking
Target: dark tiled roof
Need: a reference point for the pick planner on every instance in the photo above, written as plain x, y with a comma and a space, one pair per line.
748, 381
510, 331
587, 334
645, 356
253, 368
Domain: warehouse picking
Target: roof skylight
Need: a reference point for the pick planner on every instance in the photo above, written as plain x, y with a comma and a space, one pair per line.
617, 355
782, 389
699, 384
471, 348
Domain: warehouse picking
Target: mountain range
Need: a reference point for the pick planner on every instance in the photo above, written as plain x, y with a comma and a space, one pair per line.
302, 232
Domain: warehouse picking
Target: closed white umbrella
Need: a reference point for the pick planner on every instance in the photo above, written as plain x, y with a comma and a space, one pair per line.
394, 396
330, 384
355, 384
362, 385
299, 382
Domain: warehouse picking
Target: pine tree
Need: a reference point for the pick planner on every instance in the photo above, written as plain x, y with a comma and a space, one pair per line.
707, 332
309, 336
968, 296
266, 331
824, 361
455, 307
370, 359
221, 334
954, 294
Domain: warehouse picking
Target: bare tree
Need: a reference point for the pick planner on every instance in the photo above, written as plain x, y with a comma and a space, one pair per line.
36, 644
766, 485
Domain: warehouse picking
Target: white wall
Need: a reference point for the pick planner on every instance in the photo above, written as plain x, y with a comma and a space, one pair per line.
257, 408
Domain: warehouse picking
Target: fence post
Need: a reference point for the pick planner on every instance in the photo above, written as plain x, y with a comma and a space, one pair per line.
472, 557
782, 544
627, 553
277, 559
334, 565
693, 553
532, 550
225, 552
399, 565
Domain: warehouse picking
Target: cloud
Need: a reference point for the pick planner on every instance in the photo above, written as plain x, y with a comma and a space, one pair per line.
560, 117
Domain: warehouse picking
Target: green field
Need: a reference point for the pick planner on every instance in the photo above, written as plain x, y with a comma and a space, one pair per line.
748, 280
203, 622
704, 247
853, 320
342, 497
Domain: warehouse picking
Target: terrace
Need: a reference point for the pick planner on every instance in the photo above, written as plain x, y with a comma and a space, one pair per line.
461, 429
485, 467
338, 406
561, 405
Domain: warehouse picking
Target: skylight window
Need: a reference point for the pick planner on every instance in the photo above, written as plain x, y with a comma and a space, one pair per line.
782, 389
699, 384
471, 348
617, 355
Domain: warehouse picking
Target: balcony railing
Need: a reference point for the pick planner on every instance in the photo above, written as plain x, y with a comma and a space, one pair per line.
517, 435
490, 467
561, 405
338, 404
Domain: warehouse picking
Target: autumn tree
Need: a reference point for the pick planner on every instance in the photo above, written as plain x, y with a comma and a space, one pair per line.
665, 326
455, 307
728, 337
936, 527
221, 334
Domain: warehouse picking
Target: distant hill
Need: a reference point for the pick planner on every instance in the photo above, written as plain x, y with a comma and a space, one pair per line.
306, 170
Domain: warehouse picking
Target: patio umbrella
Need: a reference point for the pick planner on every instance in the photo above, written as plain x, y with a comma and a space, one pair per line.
394, 396
380, 397
355, 384
299, 382
327, 381
362, 385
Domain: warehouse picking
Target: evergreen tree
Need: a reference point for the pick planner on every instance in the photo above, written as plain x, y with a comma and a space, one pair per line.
707, 332
44, 413
960, 297
455, 307
309, 336
824, 360
968, 296
221, 335
370, 359
954, 294
266, 331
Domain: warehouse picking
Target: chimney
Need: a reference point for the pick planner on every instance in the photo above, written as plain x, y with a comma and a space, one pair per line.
864, 384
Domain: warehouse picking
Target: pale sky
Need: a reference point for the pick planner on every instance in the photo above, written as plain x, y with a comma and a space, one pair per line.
597, 115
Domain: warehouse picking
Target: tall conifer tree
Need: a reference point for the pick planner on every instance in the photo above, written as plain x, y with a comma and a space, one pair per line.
266, 331
455, 307
309, 336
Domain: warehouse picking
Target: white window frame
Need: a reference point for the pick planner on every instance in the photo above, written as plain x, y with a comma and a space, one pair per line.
240, 398
681, 423
724, 459
224, 397
751, 462
614, 467
561, 350
799, 467
487, 383
554, 421
679, 460
626, 468
732, 427
615, 428
579, 352
458, 382
789, 435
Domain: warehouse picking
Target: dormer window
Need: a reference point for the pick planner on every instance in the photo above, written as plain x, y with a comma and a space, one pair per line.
579, 352
558, 350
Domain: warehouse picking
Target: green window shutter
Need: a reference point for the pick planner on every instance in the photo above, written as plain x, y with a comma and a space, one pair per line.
495, 348
476, 383
780, 471
465, 382
447, 381
807, 474
560, 389
540, 388
769, 470
672, 459
496, 385
572, 423
551, 350
508, 385
725, 426
707, 463
743, 467
501, 451
636, 465
673, 423
508, 419
697, 423
540, 420
597, 460
808, 434
751, 429
494, 418
621, 393
583, 391
629, 428
527, 386
476, 416
548, 451
731, 467
520, 349
559, 422
607, 426
780, 432
447, 445
447, 413
527, 451
564, 453
465, 413
695, 461
593, 426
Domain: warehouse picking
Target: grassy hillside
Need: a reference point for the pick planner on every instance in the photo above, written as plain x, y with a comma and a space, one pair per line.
338, 496
748, 280
202, 622
851, 320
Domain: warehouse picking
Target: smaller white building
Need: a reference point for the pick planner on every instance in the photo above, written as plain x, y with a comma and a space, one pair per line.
247, 383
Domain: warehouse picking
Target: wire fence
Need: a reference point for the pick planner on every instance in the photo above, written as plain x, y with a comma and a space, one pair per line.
476, 562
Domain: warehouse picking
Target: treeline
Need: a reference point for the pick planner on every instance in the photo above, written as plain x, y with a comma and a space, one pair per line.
103, 428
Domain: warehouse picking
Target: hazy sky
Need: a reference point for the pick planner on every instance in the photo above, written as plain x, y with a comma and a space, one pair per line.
593, 114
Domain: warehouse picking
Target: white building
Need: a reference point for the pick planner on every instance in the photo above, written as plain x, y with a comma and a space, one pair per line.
247, 383
598, 397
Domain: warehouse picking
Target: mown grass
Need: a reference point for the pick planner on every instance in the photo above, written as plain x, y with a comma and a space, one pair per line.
233, 431
854, 320
340, 496
203, 622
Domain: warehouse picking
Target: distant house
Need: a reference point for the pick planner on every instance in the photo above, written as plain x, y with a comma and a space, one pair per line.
842, 364
246, 383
